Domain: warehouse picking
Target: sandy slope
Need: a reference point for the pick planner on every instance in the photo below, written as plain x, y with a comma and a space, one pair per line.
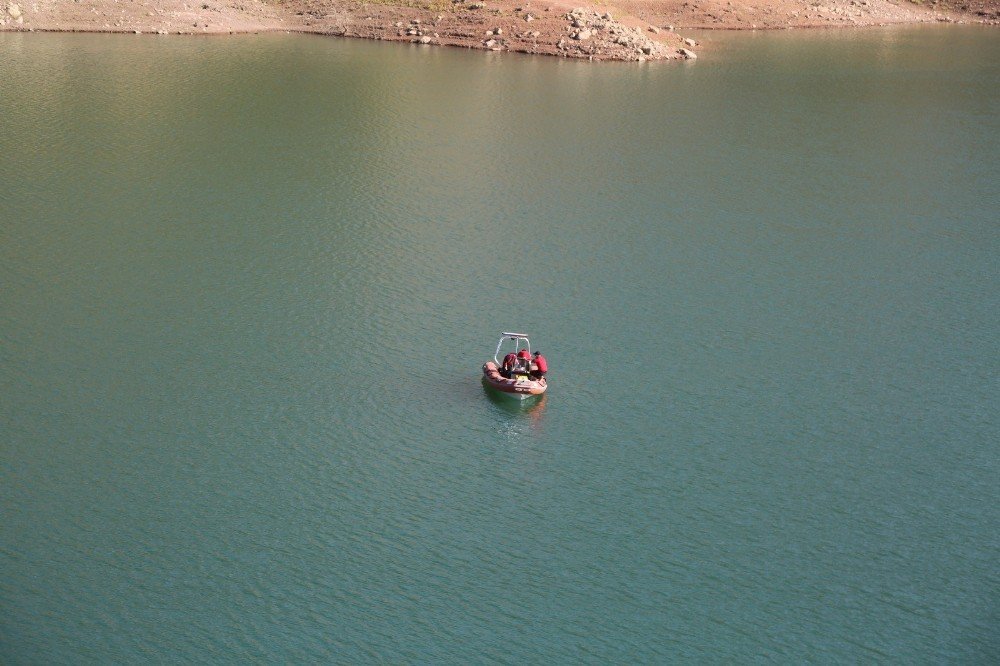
625, 30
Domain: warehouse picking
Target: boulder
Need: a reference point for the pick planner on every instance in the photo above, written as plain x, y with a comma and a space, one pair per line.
689, 55
583, 34
425, 40
690, 42
14, 10
653, 29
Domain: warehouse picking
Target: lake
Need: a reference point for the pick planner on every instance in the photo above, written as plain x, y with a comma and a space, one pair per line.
248, 284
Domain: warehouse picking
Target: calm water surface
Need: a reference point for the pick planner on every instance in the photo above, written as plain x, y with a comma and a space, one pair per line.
247, 285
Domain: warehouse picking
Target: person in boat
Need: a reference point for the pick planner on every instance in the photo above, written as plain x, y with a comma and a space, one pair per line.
541, 366
508, 364
523, 360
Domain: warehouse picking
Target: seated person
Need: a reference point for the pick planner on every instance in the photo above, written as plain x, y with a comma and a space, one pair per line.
508, 364
523, 360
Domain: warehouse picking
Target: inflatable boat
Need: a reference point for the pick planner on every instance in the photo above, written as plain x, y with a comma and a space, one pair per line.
517, 382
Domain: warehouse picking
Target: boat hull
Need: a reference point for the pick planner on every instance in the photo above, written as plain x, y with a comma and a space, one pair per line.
517, 388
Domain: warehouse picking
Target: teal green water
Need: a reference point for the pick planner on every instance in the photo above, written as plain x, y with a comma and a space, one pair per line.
248, 283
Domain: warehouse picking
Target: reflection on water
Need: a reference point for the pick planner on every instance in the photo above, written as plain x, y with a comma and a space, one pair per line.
513, 417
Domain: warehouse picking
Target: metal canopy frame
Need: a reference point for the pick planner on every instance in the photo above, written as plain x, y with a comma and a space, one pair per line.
507, 335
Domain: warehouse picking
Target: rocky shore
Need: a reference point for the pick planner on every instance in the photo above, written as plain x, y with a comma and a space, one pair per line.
631, 30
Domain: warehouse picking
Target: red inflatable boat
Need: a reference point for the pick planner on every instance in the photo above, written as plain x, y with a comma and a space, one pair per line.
517, 380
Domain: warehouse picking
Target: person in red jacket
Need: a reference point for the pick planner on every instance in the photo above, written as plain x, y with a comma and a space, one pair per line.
508, 364
541, 366
523, 360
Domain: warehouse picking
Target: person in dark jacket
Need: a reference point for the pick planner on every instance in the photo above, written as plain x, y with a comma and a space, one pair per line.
541, 366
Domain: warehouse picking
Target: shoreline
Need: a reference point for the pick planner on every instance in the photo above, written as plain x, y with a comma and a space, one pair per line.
630, 30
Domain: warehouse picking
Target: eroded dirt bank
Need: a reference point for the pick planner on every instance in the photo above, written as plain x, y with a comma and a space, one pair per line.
625, 30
